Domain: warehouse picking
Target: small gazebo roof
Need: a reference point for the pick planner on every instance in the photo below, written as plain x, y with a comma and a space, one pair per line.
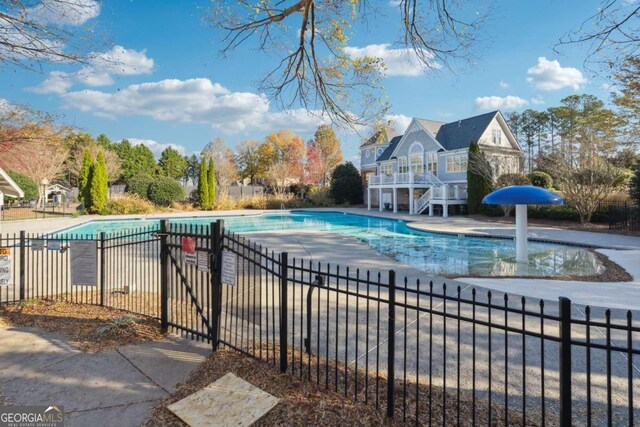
8, 186
523, 195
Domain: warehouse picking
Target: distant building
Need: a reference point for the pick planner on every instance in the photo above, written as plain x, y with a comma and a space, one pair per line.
426, 168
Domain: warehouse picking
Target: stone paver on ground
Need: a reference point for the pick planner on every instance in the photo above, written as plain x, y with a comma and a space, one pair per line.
111, 388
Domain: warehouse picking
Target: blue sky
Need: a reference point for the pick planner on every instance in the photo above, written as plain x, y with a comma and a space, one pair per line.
172, 88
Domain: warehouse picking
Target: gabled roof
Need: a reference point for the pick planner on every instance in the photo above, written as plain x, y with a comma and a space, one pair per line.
383, 136
431, 126
461, 133
8, 186
386, 154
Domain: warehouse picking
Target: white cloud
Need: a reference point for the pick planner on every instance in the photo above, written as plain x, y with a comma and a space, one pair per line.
193, 101
122, 61
156, 147
399, 122
537, 100
397, 62
503, 85
550, 75
117, 61
71, 12
509, 102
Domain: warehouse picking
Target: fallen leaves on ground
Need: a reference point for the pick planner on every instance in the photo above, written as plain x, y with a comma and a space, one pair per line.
91, 328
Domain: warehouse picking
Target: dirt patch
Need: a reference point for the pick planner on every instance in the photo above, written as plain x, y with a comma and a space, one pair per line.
89, 327
316, 399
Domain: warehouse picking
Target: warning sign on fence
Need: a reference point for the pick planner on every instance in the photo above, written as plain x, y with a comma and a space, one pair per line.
189, 251
84, 262
5, 266
229, 260
203, 261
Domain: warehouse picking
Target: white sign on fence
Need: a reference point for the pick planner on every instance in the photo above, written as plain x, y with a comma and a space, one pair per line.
84, 262
229, 260
5, 266
37, 245
203, 261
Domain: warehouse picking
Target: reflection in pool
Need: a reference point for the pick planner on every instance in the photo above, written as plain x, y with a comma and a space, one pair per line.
433, 253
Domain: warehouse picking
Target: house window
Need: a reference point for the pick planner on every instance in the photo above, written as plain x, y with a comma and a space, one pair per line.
457, 163
386, 169
432, 163
496, 136
416, 158
402, 165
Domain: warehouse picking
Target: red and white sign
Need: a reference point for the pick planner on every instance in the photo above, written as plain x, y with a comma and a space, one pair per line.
189, 251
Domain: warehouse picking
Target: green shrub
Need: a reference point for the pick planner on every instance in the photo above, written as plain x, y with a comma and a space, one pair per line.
26, 184
84, 186
540, 179
346, 185
165, 190
131, 204
320, 196
203, 186
634, 185
139, 184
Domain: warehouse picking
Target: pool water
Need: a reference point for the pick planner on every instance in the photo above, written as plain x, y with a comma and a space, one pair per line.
434, 253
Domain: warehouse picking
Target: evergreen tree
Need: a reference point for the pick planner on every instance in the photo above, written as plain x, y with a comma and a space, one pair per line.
346, 185
634, 187
478, 185
203, 185
99, 184
83, 178
212, 183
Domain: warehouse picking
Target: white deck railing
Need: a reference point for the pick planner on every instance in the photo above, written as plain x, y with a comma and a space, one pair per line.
426, 178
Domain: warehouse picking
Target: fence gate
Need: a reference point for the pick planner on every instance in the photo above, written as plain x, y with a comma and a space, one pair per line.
185, 279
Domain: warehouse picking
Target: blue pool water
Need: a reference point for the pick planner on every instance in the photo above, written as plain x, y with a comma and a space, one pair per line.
433, 253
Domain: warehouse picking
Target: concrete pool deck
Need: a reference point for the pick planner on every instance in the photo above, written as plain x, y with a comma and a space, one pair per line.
348, 251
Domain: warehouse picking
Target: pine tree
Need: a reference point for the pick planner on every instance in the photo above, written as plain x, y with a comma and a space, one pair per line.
99, 184
83, 178
203, 185
212, 183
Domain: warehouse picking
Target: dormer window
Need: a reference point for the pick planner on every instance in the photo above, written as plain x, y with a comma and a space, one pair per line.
496, 136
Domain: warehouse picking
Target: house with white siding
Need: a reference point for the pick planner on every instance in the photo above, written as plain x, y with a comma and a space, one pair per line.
425, 169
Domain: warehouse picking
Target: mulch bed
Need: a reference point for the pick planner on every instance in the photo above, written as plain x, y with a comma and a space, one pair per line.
305, 402
89, 327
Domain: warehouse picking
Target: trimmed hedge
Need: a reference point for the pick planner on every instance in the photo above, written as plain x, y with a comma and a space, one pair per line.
165, 190
565, 213
139, 184
540, 179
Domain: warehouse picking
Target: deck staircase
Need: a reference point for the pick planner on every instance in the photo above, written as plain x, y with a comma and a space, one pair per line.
422, 203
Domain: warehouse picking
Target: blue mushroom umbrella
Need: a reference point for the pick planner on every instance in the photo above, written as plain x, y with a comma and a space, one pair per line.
521, 196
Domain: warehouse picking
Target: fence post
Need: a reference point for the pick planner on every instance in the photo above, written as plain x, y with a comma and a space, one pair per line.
23, 251
391, 345
565, 361
215, 268
164, 276
103, 273
284, 280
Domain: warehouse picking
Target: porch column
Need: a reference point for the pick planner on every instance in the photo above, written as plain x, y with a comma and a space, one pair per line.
456, 192
380, 199
395, 200
368, 198
445, 210
430, 208
410, 200
445, 190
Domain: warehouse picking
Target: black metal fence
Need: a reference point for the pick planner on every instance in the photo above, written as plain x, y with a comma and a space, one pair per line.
29, 210
624, 216
425, 353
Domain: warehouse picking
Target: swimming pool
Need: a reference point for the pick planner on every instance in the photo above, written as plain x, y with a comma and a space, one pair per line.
434, 253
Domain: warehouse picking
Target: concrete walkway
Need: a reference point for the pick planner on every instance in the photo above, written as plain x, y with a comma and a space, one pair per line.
111, 388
